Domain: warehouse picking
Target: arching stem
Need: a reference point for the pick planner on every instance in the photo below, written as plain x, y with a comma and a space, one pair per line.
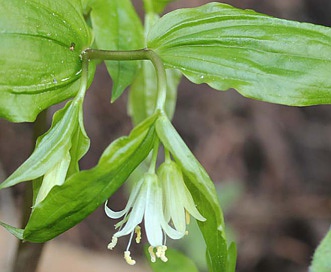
142, 54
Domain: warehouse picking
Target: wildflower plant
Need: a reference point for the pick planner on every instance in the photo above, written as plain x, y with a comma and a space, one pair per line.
49, 51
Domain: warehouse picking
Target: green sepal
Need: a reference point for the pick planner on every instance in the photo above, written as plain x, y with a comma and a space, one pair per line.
40, 47
262, 57
203, 192
321, 260
83, 192
117, 26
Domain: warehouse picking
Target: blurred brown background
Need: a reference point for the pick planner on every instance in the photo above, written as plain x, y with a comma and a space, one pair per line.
271, 163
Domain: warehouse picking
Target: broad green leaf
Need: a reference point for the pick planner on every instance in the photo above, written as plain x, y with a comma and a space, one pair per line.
117, 26
177, 261
322, 256
156, 6
262, 57
83, 192
203, 193
40, 46
143, 93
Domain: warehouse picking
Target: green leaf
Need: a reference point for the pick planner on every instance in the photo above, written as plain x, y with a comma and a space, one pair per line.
177, 261
83, 192
50, 149
18, 233
40, 46
203, 193
232, 258
262, 57
56, 154
321, 260
143, 93
117, 26
80, 144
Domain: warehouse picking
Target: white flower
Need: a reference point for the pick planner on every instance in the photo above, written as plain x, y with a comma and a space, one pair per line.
178, 201
145, 202
160, 200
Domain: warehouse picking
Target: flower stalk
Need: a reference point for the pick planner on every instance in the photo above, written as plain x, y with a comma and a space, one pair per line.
141, 54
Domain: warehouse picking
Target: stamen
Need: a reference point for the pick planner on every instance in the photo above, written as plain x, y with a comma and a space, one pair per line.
120, 224
130, 240
160, 253
152, 254
113, 242
187, 217
128, 258
137, 231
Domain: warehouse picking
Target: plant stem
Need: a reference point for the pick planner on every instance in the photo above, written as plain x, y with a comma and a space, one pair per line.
148, 6
167, 157
28, 254
142, 54
83, 86
155, 152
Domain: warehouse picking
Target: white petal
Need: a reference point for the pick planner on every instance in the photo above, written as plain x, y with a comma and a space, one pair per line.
152, 212
133, 195
172, 233
174, 196
190, 206
186, 198
112, 214
136, 214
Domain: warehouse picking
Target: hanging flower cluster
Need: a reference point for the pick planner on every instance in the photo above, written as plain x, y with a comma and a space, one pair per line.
165, 204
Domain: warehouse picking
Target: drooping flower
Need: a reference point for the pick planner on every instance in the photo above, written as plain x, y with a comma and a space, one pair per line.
160, 200
178, 201
145, 202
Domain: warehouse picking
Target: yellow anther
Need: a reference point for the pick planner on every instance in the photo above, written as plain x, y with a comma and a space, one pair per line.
113, 243
160, 253
137, 231
152, 254
187, 217
128, 258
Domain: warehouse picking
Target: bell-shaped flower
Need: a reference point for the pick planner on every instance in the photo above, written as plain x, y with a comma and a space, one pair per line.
145, 202
178, 201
